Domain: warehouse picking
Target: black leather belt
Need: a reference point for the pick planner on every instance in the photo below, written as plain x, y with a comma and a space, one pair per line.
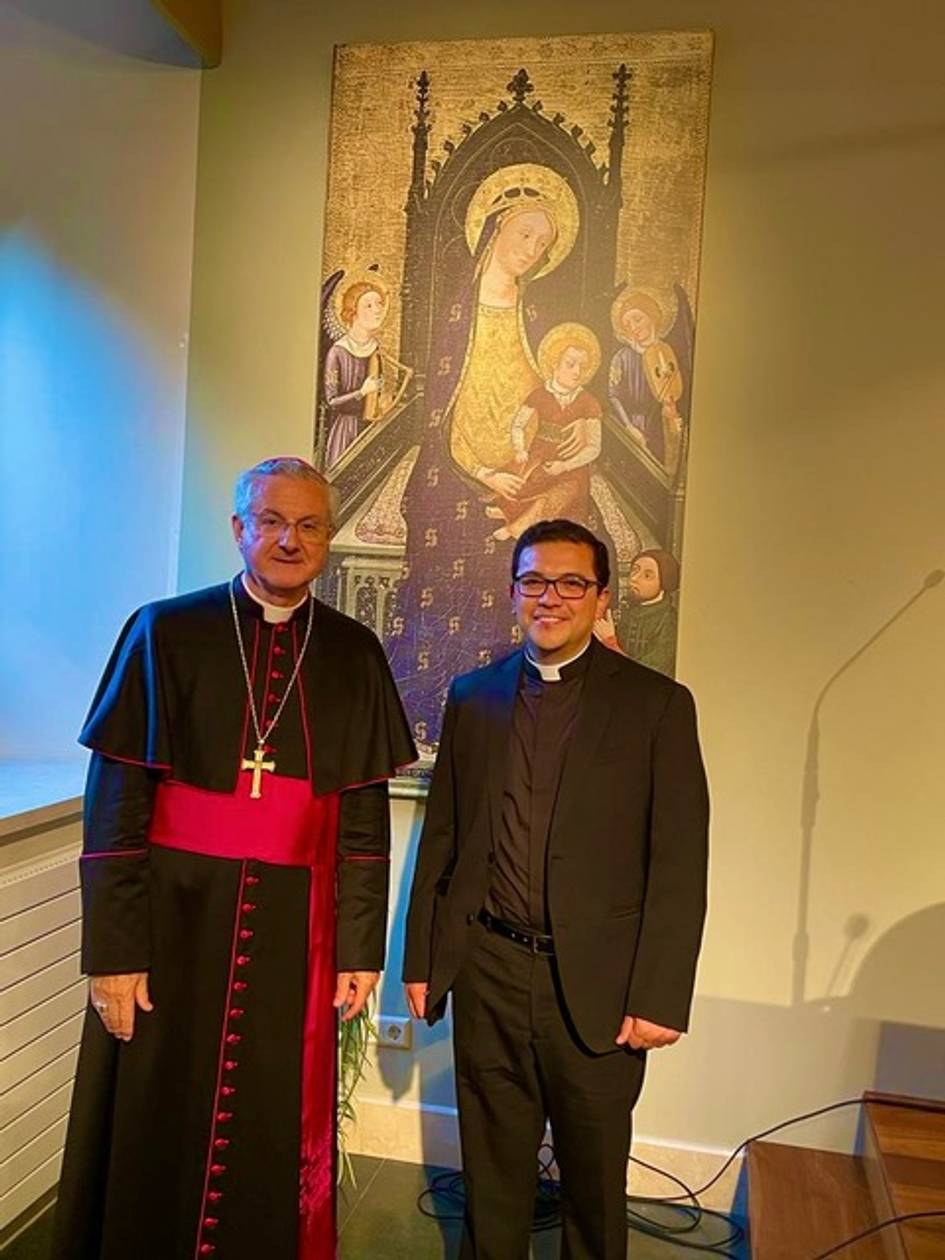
537, 942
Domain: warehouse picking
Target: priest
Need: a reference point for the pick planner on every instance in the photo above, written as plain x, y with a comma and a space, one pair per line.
234, 888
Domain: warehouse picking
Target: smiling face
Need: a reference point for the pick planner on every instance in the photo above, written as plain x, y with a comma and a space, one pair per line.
522, 241
556, 629
284, 538
572, 368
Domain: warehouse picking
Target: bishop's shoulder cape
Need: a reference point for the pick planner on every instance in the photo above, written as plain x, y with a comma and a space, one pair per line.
173, 698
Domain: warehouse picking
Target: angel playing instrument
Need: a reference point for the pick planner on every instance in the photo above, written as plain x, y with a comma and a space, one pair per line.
258, 763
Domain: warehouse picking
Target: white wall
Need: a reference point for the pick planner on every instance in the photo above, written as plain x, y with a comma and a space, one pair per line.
99, 159
814, 510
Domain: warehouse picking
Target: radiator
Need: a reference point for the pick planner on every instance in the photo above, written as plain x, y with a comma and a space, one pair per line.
42, 999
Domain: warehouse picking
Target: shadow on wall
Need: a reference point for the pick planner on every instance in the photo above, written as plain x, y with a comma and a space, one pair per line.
132, 27
432, 1054
811, 793
900, 979
751, 1065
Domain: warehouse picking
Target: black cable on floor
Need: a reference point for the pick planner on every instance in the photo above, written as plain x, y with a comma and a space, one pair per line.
449, 1186
755, 1137
447, 1189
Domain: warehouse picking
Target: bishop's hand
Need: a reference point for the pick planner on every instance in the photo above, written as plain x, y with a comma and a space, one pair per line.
352, 992
115, 999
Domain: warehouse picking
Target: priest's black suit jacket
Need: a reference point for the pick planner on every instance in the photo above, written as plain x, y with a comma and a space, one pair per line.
626, 859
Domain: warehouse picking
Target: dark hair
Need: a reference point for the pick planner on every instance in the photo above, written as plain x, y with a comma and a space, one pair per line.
564, 531
667, 564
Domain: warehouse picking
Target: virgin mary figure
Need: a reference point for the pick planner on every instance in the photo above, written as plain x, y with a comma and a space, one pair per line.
451, 612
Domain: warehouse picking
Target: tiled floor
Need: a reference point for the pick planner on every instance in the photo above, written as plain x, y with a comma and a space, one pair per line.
379, 1219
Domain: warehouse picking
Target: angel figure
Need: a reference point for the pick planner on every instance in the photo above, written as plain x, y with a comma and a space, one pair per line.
360, 383
650, 374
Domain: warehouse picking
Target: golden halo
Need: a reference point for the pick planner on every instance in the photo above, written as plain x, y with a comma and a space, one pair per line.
359, 274
556, 341
641, 300
522, 187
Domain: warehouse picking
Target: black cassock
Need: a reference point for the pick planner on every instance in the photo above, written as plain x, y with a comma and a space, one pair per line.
212, 1132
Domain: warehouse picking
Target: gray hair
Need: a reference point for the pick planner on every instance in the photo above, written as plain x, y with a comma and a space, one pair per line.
281, 466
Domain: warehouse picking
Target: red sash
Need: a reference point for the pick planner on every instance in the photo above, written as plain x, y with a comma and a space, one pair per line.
286, 826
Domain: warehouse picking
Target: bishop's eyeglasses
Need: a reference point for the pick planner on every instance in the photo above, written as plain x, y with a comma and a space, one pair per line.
570, 586
310, 529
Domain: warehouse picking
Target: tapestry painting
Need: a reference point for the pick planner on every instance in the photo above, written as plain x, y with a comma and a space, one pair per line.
508, 311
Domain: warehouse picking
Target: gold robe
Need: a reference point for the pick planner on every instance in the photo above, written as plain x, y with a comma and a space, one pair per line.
499, 375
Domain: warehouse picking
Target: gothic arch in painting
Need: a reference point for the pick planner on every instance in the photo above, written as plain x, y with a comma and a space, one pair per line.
428, 513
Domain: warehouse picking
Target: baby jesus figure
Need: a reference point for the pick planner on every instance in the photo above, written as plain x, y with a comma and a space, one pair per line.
556, 436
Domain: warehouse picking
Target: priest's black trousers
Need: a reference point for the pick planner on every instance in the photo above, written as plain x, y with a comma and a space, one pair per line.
518, 1063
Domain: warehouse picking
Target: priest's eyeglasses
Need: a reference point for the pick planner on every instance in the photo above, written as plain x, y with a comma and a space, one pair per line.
310, 530
570, 586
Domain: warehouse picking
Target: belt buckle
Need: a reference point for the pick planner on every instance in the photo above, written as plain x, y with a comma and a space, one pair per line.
533, 942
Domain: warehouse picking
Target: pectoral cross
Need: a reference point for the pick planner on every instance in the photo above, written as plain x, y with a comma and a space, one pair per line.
257, 765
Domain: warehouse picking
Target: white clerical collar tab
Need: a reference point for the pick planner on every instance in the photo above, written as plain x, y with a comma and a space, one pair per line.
272, 613
552, 673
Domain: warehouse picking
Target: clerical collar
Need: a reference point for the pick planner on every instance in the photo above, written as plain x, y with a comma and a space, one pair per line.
564, 396
271, 612
561, 670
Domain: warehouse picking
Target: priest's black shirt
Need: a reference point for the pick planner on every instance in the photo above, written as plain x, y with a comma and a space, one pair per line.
543, 722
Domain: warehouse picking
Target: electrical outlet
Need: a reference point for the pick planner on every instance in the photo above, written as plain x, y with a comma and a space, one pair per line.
394, 1032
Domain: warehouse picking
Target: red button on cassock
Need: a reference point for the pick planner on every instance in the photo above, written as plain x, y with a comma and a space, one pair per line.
246, 934
211, 1222
214, 1195
207, 1249
243, 960
224, 1116
276, 673
233, 1039
236, 1012
230, 1065
228, 1090
248, 907
218, 1169
220, 1144
240, 985
254, 879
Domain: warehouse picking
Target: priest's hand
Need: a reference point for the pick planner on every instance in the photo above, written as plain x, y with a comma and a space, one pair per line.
353, 990
115, 999
417, 999
641, 1034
